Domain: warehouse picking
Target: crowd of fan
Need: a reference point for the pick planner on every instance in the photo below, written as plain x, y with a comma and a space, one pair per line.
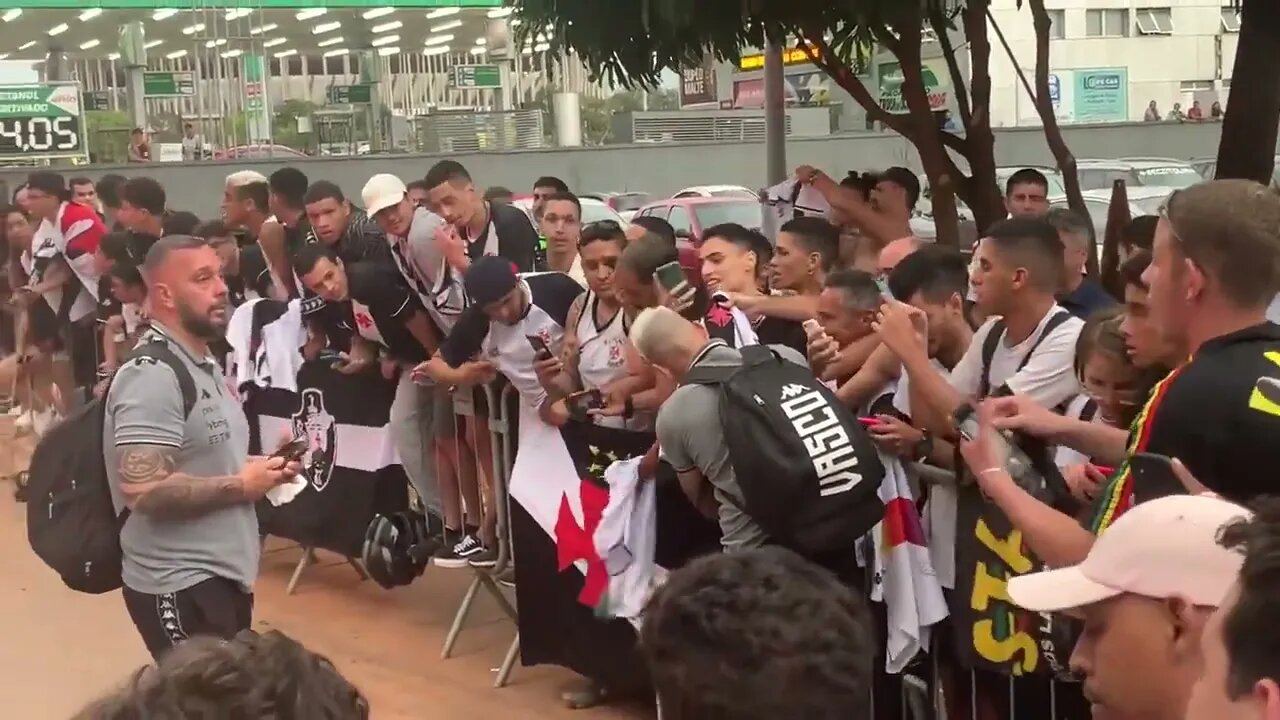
1170, 578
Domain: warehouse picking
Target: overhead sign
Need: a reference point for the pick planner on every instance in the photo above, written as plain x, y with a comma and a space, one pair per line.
96, 100
348, 94
790, 56
476, 77
41, 121
168, 84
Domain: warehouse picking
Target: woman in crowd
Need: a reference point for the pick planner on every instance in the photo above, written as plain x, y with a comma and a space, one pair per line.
1114, 391
28, 375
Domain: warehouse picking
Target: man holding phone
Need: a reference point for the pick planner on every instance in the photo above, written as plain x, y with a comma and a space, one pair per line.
190, 541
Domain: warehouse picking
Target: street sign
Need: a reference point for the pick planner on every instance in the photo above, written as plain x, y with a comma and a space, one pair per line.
476, 77
348, 95
168, 84
41, 121
96, 100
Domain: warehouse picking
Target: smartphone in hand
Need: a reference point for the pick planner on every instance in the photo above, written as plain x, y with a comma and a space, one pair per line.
670, 275
293, 450
541, 351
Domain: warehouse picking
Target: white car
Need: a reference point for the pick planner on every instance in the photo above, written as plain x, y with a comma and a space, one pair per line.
592, 211
717, 191
1144, 200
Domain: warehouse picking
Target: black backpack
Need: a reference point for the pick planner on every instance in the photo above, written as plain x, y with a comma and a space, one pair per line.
781, 425
71, 522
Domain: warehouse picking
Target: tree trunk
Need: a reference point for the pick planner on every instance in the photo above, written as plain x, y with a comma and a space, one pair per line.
1052, 132
1249, 128
983, 194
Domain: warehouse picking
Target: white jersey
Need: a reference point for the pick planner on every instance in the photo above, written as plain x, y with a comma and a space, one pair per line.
602, 354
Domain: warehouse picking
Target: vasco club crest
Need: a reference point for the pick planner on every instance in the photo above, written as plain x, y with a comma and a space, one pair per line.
318, 426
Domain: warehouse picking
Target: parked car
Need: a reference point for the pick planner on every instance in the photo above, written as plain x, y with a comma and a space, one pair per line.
1142, 201
624, 203
732, 191
691, 215
1137, 172
243, 152
593, 210
1208, 167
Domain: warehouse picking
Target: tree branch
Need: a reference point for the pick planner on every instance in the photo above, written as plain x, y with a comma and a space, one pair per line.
821, 54
959, 84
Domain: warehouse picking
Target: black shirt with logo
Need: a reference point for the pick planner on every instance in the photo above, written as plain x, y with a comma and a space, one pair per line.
1219, 413
252, 279
379, 307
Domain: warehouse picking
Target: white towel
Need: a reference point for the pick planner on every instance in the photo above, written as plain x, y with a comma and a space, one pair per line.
904, 578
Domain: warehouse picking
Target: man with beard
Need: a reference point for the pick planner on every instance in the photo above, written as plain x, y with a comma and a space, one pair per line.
190, 540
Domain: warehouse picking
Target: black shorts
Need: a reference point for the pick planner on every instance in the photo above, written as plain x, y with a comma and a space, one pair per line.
43, 325
84, 343
217, 607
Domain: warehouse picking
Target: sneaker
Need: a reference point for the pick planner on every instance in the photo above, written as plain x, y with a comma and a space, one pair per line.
485, 559
460, 554
16, 411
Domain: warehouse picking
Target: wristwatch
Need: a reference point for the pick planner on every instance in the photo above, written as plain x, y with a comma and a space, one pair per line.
924, 448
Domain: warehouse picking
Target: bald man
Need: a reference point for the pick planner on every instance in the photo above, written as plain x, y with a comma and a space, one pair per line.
175, 444
893, 253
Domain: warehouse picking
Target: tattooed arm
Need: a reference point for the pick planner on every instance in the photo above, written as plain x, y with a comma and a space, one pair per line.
151, 486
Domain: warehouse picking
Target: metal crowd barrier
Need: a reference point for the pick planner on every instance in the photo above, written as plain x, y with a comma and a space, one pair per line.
503, 409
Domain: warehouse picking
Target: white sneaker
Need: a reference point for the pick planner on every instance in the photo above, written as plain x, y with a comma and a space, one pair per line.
16, 411
42, 421
23, 424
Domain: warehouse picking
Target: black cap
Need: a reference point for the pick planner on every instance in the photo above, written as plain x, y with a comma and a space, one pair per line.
489, 279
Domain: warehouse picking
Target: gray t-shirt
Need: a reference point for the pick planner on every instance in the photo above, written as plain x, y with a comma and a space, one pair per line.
691, 436
144, 407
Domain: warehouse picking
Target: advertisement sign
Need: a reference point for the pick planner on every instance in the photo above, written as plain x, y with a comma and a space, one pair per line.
1101, 95
168, 84
937, 84
41, 121
790, 56
698, 84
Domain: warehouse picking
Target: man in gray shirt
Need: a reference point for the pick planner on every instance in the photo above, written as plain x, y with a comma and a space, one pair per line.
190, 540
690, 434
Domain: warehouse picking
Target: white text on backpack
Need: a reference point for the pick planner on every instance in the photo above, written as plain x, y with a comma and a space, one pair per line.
825, 439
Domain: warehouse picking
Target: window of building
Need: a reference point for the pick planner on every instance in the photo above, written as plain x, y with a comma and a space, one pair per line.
1057, 24
1230, 19
1155, 21
1106, 23
1196, 85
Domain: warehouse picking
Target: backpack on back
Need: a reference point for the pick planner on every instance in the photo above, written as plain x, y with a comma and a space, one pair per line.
809, 472
71, 522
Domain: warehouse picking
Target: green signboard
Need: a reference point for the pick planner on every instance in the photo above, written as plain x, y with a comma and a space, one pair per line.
41, 121
476, 77
934, 76
1102, 95
252, 4
96, 100
168, 84
348, 95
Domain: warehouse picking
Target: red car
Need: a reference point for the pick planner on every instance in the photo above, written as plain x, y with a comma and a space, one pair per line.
690, 216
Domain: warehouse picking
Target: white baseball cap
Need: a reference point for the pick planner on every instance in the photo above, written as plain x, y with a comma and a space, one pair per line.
381, 192
1165, 548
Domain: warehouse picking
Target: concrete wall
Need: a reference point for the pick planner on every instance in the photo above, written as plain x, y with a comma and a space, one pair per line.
662, 169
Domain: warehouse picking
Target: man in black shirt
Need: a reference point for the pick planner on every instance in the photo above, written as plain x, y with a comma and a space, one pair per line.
734, 260
286, 231
142, 203
480, 227
244, 269
369, 308
350, 233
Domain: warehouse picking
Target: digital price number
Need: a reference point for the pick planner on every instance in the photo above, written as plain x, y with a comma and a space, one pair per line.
40, 121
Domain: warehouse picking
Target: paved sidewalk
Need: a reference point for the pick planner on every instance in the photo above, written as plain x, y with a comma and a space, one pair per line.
62, 649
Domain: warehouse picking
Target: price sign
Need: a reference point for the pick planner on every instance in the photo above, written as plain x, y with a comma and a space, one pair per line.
41, 121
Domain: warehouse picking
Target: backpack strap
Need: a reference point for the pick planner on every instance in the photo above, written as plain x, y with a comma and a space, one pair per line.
159, 350
989, 345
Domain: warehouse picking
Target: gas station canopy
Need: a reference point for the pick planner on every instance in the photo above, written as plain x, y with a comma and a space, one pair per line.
31, 29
